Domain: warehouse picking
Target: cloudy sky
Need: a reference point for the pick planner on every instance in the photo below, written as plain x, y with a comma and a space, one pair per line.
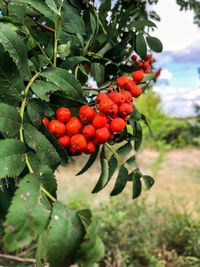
179, 83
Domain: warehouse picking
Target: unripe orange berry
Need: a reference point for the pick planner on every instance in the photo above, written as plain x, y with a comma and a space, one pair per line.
86, 113
63, 114
78, 142
117, 125
73, 126
138, 75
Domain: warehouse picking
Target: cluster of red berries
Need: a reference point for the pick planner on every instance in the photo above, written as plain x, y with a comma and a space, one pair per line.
96, 125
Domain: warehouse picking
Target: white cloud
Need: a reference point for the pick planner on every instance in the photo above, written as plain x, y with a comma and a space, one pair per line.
165, 74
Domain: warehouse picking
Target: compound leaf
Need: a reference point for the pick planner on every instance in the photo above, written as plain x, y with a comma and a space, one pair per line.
121, 181
27, 217
12, 157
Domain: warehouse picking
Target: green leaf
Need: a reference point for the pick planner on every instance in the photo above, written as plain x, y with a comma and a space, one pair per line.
12, 157
125, 149
43, 148
154, 43
148, 180
41, 7
27, 218
41, 253
44, 173
135, 115
65, 232
16, 48
91, 249
138, 135
98, 72
10, 120
148, 77
103, 179
137, 185
71, 62
64, 50
65, 81
131, 162
121, 181
140, 24
85, 217
112, 165
90, 161
43, 89
148, 125
52, 5
141, 47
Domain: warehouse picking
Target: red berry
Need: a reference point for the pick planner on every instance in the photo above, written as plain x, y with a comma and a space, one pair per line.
88, 131
64, 140
74, 152
73, 126
138, 75
111, 94
158, 73
101, 96
78, 142
86, 113
123, 82
125, 109
45, 121
117, 125
106, 106
125, 118
149, 58
134, 57
111, 136
118, 99
148, 69
131, 85
102, 135
63, 114
99, 120
56, 127
90, 148
128, 96
136, 91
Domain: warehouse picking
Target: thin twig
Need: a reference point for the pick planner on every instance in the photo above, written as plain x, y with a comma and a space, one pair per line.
15, 258
39, 23
26, 251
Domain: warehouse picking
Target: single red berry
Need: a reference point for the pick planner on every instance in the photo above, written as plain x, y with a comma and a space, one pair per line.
106, 106
111, 136
45, 121
148, 70
134, 57
73, 152
88, 131
117, 125
86, 113
149, 58
102, 135
138, 75
111, 94
108, 126
90, 148
118, 99
95, 141
64, 140
128, 96
73, 126
78, 142
115, 109
125, 118
63, 114
99, 120
125, 109
123, 82
136, 91
56, 127
140, 64
158, 72
131, 85
101, 96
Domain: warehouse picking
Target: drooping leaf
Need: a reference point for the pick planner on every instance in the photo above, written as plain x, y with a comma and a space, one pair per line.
12, 157
14, 45
103, 179
10, 120
112, 165
91, 249
125, 149
154, 43
65, 81
52, 5
121, 181
44, 173
65, 233
43, 148
137, 185
90, 161
135, 115
138, 135
148, 125
132, 162
141, 47
140, 24
27, 218
41, 253
148, 180
103, 10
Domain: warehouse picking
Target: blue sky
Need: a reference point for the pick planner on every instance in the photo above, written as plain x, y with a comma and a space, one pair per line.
179, 83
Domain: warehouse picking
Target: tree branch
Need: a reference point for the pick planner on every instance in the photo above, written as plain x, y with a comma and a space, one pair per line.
15, 258
40, 24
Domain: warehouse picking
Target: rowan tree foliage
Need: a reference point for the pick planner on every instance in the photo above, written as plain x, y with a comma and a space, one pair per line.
49, 51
